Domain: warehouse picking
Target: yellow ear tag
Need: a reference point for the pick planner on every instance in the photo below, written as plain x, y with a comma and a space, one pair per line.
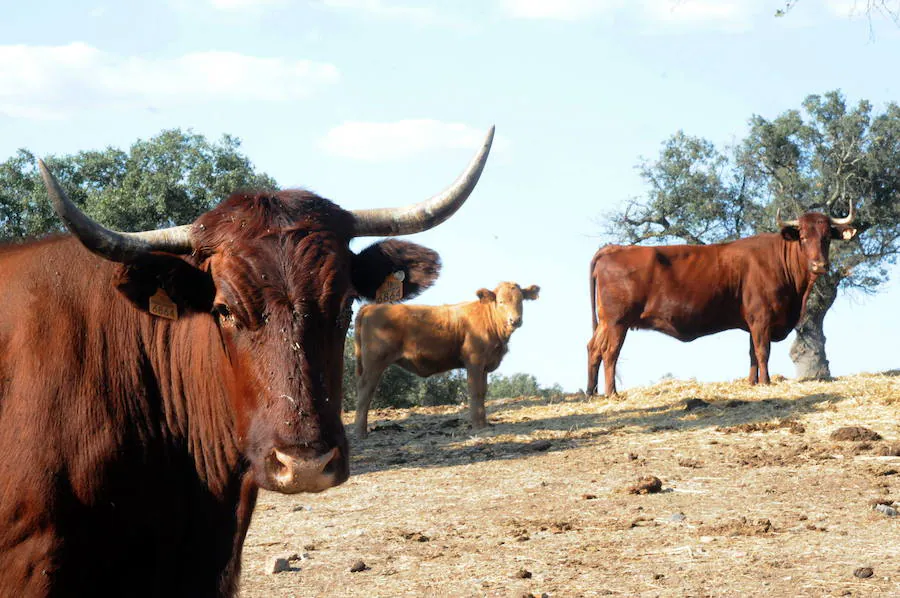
161, 305
391, 289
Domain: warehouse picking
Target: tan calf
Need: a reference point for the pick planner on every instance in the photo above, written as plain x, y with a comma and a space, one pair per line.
428, 340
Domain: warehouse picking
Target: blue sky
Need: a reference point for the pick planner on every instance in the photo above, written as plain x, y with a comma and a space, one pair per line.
382, 102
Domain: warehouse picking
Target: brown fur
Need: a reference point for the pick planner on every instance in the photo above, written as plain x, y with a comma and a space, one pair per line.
759, 284
428, 340
134, 446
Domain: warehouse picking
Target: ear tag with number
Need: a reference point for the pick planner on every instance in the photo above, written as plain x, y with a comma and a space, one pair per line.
391, 289
161, 305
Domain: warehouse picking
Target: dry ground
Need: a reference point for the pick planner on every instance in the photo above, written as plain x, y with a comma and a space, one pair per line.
756, 500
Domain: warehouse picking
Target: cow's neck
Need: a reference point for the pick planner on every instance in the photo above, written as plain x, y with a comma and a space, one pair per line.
798, 269
192, 371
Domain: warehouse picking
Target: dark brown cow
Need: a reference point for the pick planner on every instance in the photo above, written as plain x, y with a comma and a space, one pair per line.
133, 445
758, 284
428, 340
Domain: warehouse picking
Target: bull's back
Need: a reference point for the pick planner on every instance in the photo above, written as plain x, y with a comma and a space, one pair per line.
683, 291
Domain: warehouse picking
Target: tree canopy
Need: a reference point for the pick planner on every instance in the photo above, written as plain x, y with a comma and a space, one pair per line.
816, 158
169, 179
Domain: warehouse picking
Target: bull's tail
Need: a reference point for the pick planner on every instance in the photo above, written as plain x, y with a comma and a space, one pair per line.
593, 279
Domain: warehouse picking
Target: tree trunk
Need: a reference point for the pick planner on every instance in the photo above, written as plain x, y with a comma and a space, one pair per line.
808, 350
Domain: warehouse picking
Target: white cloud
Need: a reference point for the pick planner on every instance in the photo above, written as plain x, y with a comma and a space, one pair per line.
245, 5
846, 8
563, 10
728, 13
384, 142
56, 81
423, 15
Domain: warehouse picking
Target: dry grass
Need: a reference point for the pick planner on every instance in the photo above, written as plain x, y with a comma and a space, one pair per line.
756, 499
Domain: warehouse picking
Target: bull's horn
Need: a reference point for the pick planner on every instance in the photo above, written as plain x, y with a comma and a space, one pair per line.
783, 223
415, 218
847, 219
113, 245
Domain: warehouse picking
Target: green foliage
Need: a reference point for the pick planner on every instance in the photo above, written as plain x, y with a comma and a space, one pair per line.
169, 179
519, 385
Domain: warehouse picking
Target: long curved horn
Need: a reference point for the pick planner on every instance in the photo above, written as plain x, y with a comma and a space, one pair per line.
783, 223
848, 219
113, 245
415, 218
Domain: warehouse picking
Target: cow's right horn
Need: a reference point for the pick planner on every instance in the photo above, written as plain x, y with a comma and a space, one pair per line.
783, 223
415, 218
113, 245
848, 219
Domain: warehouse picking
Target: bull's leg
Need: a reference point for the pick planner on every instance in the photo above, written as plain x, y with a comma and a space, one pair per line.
612, 346
762, 342
366, 385
477, 390
753, 378
594, 358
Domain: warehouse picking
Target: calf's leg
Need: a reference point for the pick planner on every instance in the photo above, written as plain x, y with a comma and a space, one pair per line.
366, 385
477, 378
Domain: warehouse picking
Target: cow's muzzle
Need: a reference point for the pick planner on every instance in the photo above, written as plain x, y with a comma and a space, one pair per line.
515, 322
303, 470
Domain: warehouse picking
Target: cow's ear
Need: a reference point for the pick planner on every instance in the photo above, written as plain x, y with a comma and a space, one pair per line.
531, 292
486, 296
790, 233
842, 232
419, 265
169, 281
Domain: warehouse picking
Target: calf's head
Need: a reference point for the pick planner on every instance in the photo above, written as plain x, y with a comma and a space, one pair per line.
814, 232
272, 276
506, 301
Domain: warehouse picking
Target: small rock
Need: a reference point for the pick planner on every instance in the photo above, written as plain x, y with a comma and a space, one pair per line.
863, 572
657, 576
855, 433
523, 574
588, 496
691, 404
277, 565
646, 485
631, 457
677, 517
886, 510
539, 446
359, 566
301, 508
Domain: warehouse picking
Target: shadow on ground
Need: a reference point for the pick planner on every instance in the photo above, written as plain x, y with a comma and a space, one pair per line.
519, 427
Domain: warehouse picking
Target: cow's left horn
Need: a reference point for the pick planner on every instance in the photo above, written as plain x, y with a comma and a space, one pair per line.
113, 245
783, 223
848, 219
421, 216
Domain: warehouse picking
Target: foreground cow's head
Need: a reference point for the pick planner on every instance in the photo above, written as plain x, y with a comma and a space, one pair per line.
814, 232
506, 300
271, 275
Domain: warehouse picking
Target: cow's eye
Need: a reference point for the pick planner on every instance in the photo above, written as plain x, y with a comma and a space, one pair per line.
222, 311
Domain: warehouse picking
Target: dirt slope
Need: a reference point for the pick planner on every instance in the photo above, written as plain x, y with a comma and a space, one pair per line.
757, 499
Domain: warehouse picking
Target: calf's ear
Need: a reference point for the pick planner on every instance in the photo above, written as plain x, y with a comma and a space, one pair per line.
486, 296
373, 265
531, 292
161, 281
842, 232
790, 233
